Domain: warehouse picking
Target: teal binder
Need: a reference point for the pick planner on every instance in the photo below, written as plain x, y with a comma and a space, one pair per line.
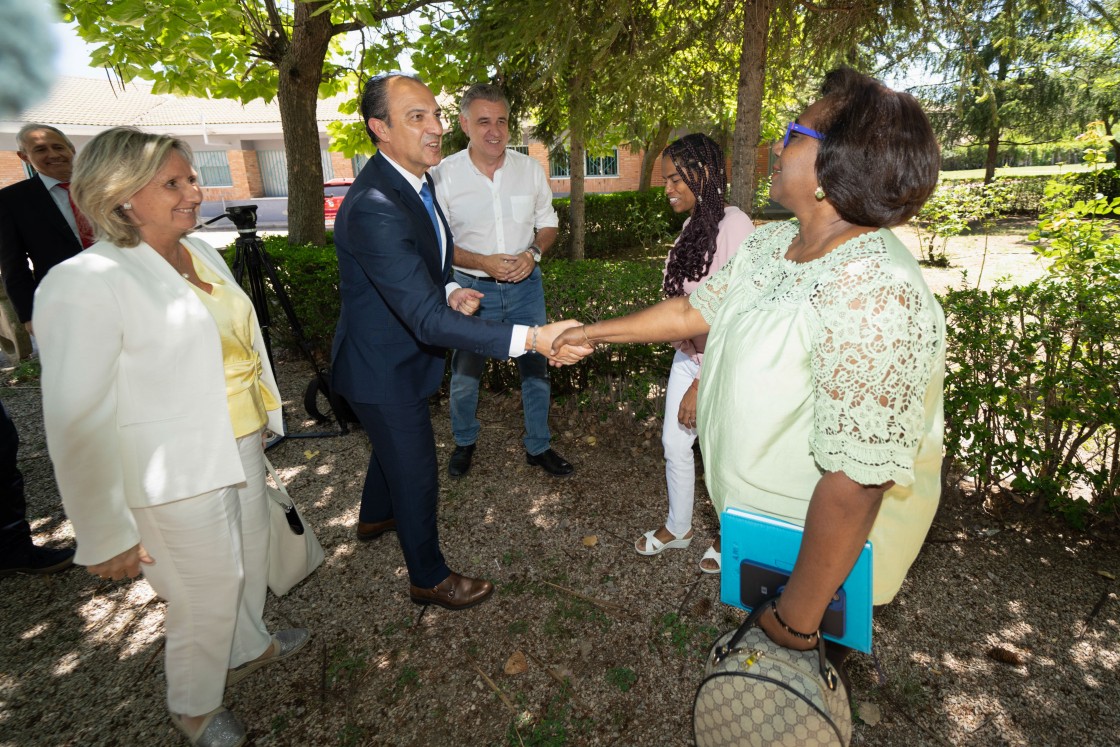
757, 556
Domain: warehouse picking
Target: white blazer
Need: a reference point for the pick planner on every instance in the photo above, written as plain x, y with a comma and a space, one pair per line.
134, 390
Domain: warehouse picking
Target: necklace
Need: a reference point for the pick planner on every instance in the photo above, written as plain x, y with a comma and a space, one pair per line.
179, 262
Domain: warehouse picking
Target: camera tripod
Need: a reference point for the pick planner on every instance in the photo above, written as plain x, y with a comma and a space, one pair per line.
251, 266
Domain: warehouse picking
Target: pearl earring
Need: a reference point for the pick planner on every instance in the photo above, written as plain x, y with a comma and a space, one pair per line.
819, 194
128, 205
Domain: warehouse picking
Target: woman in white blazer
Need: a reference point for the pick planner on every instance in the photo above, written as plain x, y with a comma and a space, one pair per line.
156, 390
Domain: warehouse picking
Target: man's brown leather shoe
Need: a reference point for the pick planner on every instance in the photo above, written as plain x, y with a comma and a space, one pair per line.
375, 529
454, 593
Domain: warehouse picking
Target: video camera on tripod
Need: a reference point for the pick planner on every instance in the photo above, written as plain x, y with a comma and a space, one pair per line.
251, 266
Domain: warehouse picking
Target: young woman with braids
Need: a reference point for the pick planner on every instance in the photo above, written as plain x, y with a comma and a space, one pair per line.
696, 182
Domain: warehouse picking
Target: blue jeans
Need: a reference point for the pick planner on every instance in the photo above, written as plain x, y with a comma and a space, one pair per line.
514, 303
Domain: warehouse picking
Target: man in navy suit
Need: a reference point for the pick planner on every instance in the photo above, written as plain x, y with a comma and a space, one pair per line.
38, 224
400, 311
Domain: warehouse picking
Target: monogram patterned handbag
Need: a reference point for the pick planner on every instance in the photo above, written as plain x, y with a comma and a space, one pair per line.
757, 693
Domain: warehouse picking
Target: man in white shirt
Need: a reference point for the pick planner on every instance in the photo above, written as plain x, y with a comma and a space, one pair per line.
499, 205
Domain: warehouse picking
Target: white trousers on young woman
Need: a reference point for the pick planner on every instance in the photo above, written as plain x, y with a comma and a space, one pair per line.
211, 566
677, 440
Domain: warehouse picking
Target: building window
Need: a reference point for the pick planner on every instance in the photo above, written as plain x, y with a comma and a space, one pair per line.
358, 162
522, 149
559, 164
213, 168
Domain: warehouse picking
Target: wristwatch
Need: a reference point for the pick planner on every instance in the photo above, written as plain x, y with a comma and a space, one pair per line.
535, 251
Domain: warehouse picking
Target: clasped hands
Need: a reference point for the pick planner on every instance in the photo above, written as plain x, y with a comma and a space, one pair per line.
563, 343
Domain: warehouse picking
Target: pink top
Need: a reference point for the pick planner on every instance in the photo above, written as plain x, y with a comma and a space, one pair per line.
733, 229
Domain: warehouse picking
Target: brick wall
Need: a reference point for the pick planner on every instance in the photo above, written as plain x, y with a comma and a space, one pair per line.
11, 168
343, 166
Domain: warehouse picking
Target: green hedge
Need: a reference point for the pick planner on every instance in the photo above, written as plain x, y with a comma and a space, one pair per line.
1106, 182
1026, 192
619, 222
1032, 392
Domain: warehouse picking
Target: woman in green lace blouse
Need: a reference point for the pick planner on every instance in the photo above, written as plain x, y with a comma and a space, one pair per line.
821, 402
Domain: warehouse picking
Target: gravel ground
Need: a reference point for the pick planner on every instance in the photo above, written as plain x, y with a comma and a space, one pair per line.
1007, 631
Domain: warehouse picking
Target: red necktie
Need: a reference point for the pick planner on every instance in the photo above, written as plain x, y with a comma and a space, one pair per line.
85, 230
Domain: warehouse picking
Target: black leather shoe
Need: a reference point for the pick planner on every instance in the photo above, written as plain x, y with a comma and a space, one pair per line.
454, 593
460, 463
550, 462
372, 530
37, 561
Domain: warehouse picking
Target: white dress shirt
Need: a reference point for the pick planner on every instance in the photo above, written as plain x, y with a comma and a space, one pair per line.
494, 216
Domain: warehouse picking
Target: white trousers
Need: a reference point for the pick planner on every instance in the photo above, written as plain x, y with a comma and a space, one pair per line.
677, 440
211, 566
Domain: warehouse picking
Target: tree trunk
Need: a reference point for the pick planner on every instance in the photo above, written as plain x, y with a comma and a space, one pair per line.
1003, 63
301, 70
748, 110
653, 152
991, 155
577, 170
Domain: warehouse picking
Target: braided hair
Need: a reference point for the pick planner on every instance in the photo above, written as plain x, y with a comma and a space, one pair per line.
699, 162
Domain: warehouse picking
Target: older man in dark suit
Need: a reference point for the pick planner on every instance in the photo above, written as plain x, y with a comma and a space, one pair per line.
38, 229
39, 225
400, 311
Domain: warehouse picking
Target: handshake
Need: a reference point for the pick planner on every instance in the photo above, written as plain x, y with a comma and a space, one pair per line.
563, 343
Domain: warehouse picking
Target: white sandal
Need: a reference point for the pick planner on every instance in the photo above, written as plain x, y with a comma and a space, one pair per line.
654, 546
711, 554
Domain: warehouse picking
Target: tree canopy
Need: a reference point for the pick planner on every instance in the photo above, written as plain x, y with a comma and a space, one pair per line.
592, 74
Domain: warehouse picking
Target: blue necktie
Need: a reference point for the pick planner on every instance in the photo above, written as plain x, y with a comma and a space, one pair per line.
429, 203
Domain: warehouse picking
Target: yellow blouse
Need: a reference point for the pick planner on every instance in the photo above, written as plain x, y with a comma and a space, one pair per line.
249, 402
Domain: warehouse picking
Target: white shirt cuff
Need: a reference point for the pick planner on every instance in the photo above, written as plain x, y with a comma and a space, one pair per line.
449, 289
517, 342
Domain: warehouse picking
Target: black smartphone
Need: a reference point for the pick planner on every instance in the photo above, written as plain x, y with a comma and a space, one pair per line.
758, 582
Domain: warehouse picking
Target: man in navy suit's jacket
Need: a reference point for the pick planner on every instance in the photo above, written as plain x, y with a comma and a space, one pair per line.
400, 311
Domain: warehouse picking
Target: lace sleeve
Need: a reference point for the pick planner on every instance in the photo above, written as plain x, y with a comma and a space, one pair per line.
708, 297
873, 356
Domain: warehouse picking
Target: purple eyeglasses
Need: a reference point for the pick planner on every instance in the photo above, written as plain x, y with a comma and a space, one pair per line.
794, 127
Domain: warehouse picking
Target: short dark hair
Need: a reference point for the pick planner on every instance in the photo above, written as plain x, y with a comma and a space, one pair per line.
484, 91
879, 160
375, 100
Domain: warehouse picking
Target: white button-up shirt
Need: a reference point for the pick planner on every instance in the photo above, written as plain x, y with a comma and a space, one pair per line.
499, 216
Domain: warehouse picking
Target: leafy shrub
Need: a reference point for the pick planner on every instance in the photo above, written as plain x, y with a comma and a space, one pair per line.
617, 222
1105, 182
1022, 194
1071, 229
1032, 391
309, 274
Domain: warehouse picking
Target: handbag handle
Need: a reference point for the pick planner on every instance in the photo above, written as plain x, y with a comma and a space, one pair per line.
827, 674
280, 495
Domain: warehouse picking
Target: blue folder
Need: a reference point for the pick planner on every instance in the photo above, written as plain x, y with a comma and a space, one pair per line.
758, 553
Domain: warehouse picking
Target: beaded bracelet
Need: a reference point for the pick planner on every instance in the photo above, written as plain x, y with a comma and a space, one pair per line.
791, 631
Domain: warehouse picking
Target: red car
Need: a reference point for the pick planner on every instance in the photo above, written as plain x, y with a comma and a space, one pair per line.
333, 192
